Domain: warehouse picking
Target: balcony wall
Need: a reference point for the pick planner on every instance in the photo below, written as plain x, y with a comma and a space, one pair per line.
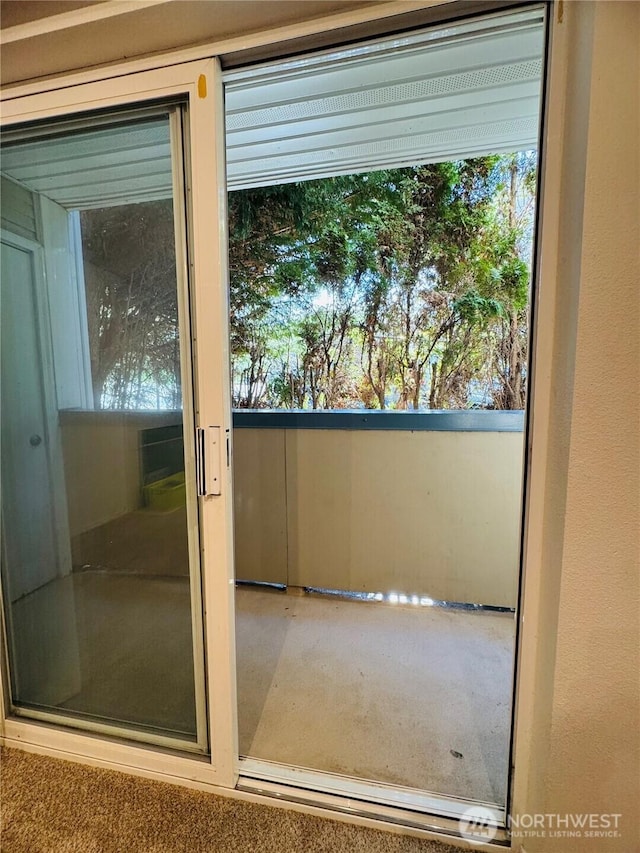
425, 504
423, 511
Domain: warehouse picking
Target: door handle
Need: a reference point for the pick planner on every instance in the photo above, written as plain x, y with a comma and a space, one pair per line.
208, 467
35, 440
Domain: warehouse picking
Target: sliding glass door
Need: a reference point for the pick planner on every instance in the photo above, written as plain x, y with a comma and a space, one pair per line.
381, 208
379, 228
101, 553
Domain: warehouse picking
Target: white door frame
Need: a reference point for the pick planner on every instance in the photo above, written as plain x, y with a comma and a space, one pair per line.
199, 83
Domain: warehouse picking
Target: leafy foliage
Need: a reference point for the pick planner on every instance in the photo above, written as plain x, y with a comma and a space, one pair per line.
402, 288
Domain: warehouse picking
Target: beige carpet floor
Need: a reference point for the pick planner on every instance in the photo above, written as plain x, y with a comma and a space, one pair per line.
51, 806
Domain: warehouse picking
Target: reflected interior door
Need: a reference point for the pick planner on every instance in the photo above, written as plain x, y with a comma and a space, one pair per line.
25, 468
34, 555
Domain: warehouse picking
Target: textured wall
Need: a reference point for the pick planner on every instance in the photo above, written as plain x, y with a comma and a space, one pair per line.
585, 687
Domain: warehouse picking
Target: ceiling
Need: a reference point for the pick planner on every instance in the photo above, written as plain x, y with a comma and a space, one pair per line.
42, 38
15, 13
455, 92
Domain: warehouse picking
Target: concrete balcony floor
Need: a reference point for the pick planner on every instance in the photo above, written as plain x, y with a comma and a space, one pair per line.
411, 696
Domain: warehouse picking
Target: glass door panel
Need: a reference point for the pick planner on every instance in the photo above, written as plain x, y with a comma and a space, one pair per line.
100, 557
381, 210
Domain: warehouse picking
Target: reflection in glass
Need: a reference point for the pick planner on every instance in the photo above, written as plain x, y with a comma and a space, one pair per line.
132, 306
96, 567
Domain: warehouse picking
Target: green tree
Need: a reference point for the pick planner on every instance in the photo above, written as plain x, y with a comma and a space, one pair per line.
403, 288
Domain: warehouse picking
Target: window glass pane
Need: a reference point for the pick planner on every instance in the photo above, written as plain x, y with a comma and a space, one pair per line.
102, 622
381, 219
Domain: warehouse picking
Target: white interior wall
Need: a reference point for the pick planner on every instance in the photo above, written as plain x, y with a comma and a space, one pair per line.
578, 728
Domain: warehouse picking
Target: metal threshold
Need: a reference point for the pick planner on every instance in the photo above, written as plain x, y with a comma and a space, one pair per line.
393, 804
